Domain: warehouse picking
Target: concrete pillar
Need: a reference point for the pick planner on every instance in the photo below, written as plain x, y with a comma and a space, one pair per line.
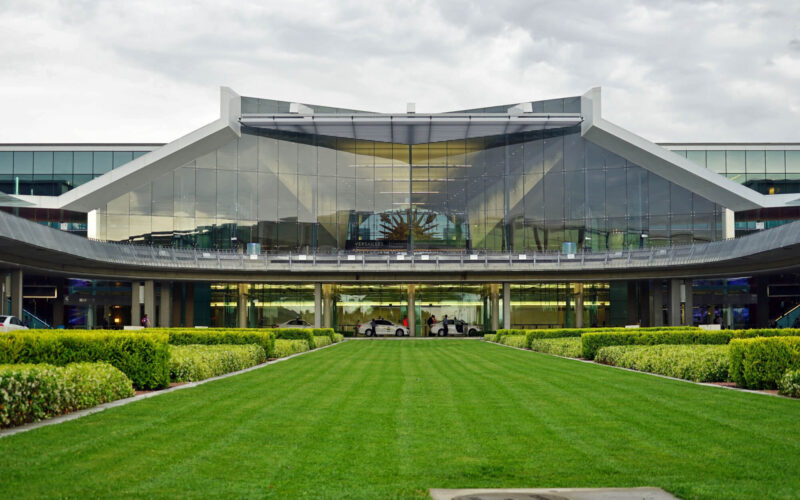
136, 310
674, 302
657, 308
58, 307
150, 301
327, 305
494, 297
90, 320
762, 306
506, 305
632, 316
16, 294
317, 305
5, 288
242, 305
412, 311
189, 303
165, 311
688, 316
578, 305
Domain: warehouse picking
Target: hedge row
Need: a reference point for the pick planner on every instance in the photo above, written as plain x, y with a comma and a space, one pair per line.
553, 333
322, 341
198, 362
513, 340
569, 347
143, 357
592, 342
766, 332
34, 392
287, 347
701, 363
760, 363
207, 336
490, 337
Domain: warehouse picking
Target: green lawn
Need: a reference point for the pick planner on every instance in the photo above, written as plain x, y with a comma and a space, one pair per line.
390, 419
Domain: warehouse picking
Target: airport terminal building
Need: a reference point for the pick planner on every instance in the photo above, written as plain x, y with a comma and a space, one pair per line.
527, 215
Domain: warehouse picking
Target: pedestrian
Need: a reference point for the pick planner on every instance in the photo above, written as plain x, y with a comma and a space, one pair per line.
431, 321
444, 325
405, 321
372, 325
146, 321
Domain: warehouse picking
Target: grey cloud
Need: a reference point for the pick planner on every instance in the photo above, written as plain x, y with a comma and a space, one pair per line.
671, 71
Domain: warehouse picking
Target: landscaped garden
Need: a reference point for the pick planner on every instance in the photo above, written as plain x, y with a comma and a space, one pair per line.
752, 359
45, 373
380, 419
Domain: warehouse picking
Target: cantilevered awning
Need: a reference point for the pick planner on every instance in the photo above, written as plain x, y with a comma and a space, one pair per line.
411, 128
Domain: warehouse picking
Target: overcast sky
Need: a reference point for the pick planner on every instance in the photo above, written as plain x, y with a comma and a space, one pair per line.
139, 71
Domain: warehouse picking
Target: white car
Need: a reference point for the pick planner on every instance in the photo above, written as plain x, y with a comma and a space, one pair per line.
382, 327
9, 323
455, 327
295, 323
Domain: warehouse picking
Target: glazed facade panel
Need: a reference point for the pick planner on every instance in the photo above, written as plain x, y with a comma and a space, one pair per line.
523, 192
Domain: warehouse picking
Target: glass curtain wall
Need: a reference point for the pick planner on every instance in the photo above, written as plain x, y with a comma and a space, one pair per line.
552, 305
302, 193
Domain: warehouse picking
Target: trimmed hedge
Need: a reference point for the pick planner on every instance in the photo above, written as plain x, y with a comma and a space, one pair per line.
143, 357
514, 341
766, 332
198, 362
322, 341
701, 363
31, 392
490, 337
306, 334
569, 347
592, 342
208, 336
760, 363
287, 347
338, 337
789, 384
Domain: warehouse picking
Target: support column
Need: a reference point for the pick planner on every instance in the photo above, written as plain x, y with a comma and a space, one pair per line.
189, 303
327, 301
494, 297
165, 311
688, 316
506, 305
136, 310
578, 305
317, 305
412, 312
241, 308
16, 294
150, 301
762, 305
632, 316
674, 302
5, 288
657, 309
58, 307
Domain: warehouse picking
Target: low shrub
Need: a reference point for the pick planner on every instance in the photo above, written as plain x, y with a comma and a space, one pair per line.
306, 334
591, 342
338, 337
766, 332
322, 341
701, 363
490, 337
569, 347
287, 347
760, 363
198, 362
143, 357
789, 385
514, 341
231, 336
31, 392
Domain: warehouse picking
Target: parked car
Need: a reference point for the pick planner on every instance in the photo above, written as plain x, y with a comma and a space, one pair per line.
382, 327
295, 323
8, 323
456, 327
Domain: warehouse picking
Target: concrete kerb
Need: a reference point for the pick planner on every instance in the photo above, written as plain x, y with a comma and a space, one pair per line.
122, 402
591, 362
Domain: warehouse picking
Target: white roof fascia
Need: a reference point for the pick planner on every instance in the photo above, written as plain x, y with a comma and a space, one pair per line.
150, 166
672, 166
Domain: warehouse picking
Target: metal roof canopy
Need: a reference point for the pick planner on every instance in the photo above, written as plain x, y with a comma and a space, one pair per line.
411, 128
